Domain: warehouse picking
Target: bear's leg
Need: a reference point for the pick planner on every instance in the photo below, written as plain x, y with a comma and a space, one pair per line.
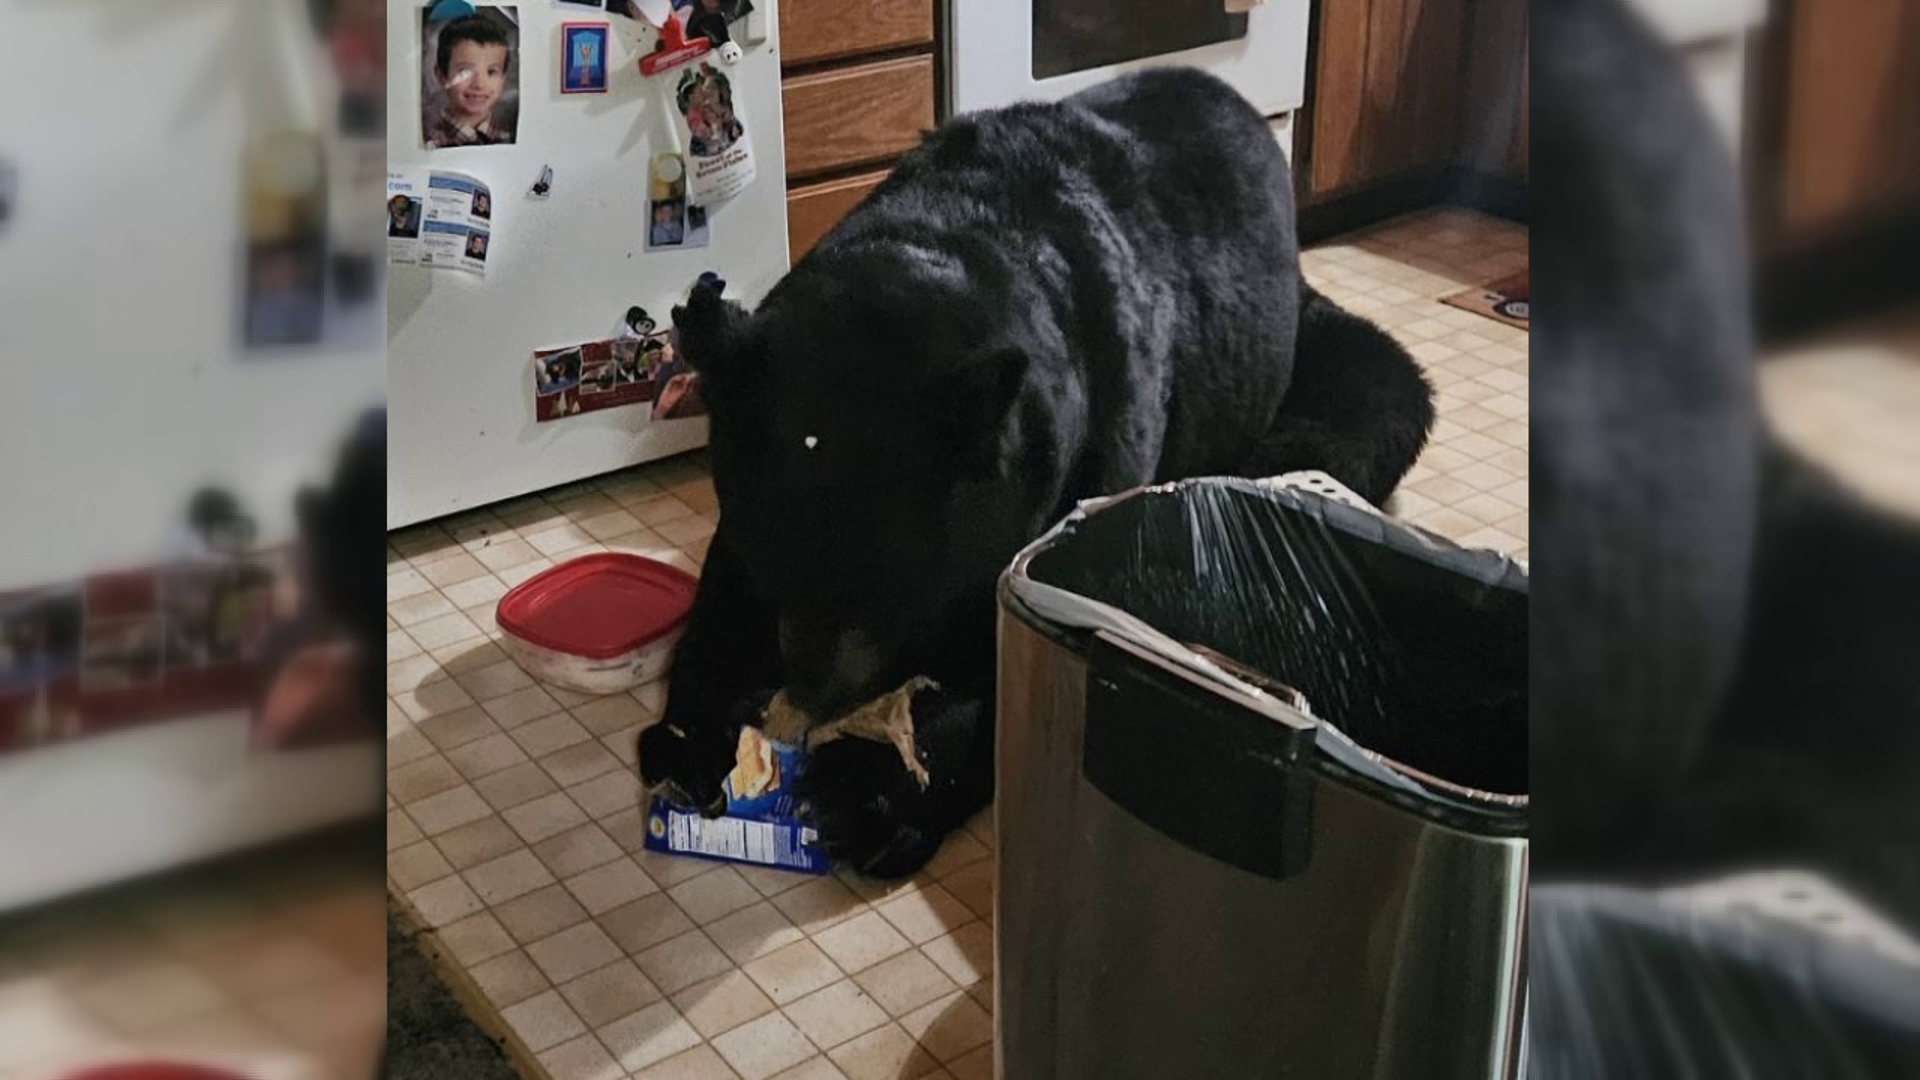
729, 654
1359, 408
872, 814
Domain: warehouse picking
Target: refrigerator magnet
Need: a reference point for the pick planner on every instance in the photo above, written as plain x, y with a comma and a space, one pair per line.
583, 58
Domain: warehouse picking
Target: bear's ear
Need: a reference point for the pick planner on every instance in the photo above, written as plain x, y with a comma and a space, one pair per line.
710, 333
978, 403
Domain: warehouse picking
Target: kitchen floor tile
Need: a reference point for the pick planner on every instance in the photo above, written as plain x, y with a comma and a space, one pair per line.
606, 994
722, 1003
835, 1014
764, 1047
540, 914
906, 982
753, 932
886, 1053
645, 922
582, 1059
861, 942
577, 850
543, 1021
573, 952
680, 962
699, 1063
610, 885
508, 877
791, 973
652, 1034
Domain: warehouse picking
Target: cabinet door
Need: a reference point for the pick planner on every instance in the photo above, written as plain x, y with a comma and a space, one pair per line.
1852, 105
813, 210
845, 118
1493, 104
1388, 80
812, 31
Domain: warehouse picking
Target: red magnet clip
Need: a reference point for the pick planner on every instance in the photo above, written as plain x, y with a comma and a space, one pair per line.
673, 49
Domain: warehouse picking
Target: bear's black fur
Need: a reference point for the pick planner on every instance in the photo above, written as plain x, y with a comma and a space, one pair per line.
1042, 304
1723, 636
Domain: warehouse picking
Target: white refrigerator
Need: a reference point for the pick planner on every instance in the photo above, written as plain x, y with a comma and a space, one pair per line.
562, 270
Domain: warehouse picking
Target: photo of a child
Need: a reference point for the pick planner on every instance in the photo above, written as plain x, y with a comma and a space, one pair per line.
286, 292
669, 228
403, 217
471, 95
705, 97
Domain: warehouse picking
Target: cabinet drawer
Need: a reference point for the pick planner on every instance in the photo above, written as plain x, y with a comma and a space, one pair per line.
856, 116
815, 30
817, 208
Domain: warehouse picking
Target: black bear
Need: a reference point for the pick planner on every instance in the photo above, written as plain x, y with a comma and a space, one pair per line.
1042, 304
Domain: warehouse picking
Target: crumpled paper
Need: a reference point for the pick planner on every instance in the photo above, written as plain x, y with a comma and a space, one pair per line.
886, 719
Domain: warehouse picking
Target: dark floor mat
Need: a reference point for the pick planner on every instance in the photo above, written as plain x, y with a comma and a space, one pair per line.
1507, 300
429, 1035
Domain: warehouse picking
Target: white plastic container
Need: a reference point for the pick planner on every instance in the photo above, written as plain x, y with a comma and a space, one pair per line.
598, 624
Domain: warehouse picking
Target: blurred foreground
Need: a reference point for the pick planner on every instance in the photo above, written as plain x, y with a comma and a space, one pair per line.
1726, 708
261, 963
192, 308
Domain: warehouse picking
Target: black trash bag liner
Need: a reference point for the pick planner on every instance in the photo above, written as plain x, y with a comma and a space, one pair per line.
1413, 647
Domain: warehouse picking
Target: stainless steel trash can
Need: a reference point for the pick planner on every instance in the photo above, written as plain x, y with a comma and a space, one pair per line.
1262, 794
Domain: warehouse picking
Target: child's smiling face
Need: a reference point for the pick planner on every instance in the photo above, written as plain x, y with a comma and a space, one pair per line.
475, 76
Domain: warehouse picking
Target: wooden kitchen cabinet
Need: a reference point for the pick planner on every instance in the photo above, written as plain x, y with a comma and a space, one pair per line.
858, 116
812, 31
860, 88
813, 209
1405, 96
1387, 82
1833, 161
1840, 144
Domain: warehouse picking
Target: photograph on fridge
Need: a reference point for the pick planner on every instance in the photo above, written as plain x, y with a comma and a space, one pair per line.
583, 58
470, 85
39, 636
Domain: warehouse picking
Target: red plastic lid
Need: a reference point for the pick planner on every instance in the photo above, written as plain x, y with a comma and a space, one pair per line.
598, 606
155, 1071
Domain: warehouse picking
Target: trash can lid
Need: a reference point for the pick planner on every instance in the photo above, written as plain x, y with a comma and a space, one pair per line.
598, 606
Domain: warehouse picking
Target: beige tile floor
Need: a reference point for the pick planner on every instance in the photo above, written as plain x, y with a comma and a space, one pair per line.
273, 963
514, 827
1850, 400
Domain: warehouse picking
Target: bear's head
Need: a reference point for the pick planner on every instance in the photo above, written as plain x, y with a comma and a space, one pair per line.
882, 446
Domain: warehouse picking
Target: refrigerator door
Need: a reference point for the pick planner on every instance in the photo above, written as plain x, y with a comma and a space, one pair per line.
561, 270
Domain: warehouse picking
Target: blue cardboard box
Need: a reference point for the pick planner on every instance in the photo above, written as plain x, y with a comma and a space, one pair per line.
761, 826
